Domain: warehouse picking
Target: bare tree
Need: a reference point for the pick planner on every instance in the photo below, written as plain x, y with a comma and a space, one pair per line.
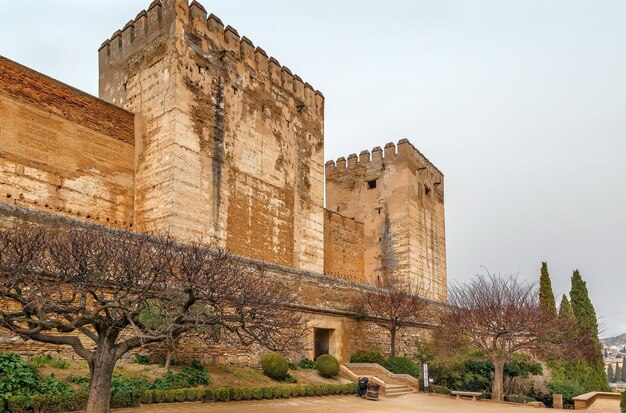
501, 316
97, 282
394, 307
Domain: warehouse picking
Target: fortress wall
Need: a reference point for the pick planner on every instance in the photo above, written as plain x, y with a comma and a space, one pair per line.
62, 150
398, 195
230, 142
343, 247
327, 302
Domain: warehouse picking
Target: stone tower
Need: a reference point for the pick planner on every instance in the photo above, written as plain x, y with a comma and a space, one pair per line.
229, 143
398, 196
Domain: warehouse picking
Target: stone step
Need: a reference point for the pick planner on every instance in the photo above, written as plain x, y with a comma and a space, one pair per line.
393, 390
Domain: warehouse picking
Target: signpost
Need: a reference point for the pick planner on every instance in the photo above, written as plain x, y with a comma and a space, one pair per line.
426, 378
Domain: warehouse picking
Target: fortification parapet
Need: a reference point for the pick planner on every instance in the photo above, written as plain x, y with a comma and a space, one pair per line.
402, 153
165, 17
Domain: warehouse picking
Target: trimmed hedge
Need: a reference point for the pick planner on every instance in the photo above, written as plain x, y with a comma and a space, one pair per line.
327, 365
225, 394
275, 366
364, 356
402, 365
622, 404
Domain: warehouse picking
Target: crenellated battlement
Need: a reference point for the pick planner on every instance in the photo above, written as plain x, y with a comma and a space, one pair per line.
176, 17
403, 152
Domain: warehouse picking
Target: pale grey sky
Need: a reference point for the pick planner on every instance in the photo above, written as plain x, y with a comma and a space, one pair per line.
522, 105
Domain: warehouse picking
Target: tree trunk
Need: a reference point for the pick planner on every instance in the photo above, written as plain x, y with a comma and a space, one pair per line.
497, 387
393, 342
168, 360
101, 375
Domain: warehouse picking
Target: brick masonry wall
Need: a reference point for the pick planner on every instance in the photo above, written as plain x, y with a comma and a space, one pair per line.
63, 150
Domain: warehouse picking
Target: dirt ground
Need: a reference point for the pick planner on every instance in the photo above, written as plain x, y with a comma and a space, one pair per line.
422, 403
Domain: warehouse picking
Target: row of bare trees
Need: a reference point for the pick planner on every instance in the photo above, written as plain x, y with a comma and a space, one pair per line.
498, 316
121, 291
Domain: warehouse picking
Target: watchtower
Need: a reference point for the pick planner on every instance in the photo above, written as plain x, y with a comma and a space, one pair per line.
399, 196
229, 142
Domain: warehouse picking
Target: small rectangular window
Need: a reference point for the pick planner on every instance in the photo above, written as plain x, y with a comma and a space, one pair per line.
371, 184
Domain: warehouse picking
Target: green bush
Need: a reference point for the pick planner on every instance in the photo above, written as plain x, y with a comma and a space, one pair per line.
222, 394
180, 395
17, 404
38, 402
141, 359
246, 393
318, 390
622, 404
327, 365
307, 364
402, 365
440, 389
257, 393
236, 393
568, 388
190, 395
170, 396
275, 366
208, 395
290, 379
50, 385
267, 392
310, 390
192, 376
159, 395
198, 394
41, 360
126, 391
519, 398
17, 378
146, 397
363, 356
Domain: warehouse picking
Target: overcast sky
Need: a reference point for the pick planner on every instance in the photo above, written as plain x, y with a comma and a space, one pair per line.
522, 105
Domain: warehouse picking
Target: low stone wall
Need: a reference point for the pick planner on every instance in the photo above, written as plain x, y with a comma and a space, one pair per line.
378, 371
609, 400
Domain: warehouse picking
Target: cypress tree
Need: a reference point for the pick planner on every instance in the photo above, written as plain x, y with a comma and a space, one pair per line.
609, 374
565, 309
587, 320
623, 378
546, 296
618, 373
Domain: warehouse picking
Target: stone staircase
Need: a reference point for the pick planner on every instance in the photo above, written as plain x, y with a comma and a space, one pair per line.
391, 384
392, 390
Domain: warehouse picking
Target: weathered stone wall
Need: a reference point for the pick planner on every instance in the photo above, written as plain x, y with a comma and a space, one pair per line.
343, 247
326, 302
230, 144
399, 198
63, 150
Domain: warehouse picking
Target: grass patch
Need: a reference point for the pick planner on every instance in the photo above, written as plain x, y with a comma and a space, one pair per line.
244, 373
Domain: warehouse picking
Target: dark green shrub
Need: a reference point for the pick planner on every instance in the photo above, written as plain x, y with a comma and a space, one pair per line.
292, 366
327, 365
141, 359
402, 365
569, 390
290, 379
75, 402
622, 404
17, 404
310, 390
350, 388
257, 393
50, 385
41, 360
285, 392
440, 389
267, 392
126, 391
159, 396
38, 402
235, 393
275, 366
190, 395
318, 390
208, 395
247, 393
17, 377
180, 395
170, 396
222, 394
146, 397
192, 376
363, 356
307, 364
198, 393
301, 390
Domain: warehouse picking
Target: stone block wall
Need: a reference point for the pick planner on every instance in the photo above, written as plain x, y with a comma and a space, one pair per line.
343, 247
230, 143
399, 196
64, 151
